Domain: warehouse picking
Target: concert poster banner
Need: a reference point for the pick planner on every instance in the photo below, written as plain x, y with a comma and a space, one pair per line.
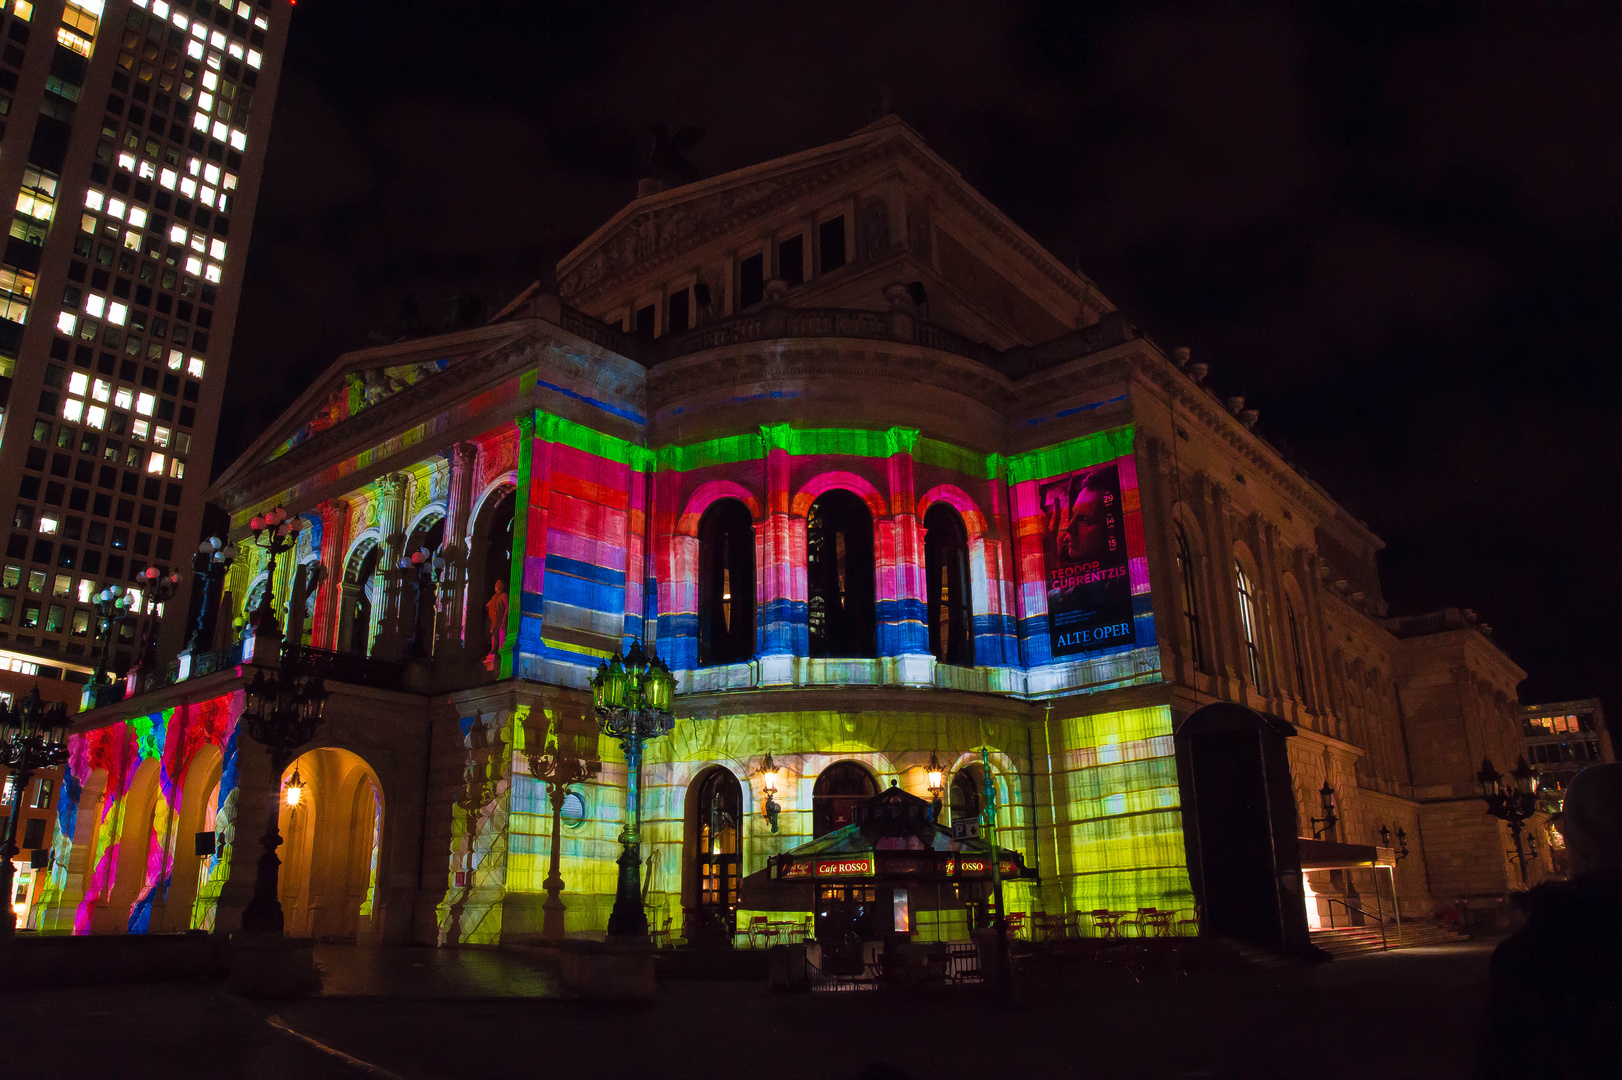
1089, 586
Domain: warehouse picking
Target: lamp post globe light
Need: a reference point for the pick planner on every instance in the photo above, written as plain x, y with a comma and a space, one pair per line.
32, 737
210, 564
160, 588
631, 696
112, 606
275, 531
1512, 799
281, 713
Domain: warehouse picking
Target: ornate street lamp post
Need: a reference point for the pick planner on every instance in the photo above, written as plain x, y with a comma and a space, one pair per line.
558, 768
275, 531
160, 588
32, 737
282, 712
211, 563
422, 566
112, 606
1513, 800
632, 699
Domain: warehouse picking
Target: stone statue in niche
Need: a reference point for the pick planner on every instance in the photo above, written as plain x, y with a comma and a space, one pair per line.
496, 609
872, 230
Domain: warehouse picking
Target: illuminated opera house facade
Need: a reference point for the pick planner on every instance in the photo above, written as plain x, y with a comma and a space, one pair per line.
884, 483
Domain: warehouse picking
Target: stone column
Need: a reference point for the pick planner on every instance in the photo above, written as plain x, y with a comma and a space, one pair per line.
391, 489
334, 542
1165, 582
1277, 657
784, 629
901, 614
1227, 630
451, 637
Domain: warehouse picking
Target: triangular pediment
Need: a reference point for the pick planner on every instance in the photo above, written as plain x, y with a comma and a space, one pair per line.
359, 382
661, 225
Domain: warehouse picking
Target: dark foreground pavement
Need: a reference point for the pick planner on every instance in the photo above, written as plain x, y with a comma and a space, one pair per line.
1392, 1015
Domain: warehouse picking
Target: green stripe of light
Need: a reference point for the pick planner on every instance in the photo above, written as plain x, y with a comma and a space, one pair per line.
515, 584
1071, 454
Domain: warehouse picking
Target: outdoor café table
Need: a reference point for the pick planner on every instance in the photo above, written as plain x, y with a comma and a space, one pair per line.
1155, 920
1108, 922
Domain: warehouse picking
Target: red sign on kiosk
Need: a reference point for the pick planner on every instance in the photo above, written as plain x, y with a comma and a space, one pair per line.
848, 866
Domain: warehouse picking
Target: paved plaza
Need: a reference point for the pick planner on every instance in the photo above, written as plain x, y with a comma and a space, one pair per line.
425, 1014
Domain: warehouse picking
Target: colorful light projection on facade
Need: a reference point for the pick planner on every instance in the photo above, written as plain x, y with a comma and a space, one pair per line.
1118, 826
140, 777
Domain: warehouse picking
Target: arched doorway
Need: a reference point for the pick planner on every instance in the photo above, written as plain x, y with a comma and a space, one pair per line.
491, 563
144, 813
355, 622
332, 835
300, 621
1239, 826
839, 574
967, 794
726, 583
417, 598
199, 791
946, 585
714, 821
840, 787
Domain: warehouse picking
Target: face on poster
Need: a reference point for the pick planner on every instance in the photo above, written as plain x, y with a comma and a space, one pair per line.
1084, 543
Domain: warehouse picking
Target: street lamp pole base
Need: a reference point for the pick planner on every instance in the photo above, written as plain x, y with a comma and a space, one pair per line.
628, 920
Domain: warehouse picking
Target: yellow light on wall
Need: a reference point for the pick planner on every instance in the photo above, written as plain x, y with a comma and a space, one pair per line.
294, 793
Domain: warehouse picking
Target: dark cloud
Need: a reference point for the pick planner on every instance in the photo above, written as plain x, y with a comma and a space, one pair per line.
1393, 227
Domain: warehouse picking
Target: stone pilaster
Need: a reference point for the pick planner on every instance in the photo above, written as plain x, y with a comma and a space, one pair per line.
391, 634
334, 542
452, 638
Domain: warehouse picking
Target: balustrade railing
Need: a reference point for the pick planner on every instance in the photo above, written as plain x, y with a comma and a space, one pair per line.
344, 667
216, 660
782, 322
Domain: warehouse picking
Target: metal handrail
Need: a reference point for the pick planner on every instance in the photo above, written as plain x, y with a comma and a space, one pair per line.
1379, 919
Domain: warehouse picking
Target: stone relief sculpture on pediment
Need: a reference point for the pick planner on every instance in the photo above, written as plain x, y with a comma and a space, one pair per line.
358, 391
653, 231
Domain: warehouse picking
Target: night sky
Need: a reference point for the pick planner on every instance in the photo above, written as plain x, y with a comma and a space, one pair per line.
1393, 228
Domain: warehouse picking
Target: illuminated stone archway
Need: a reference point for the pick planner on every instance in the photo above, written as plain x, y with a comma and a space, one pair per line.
329, 849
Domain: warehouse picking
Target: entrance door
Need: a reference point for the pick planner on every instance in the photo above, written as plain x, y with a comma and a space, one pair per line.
1239, 822
847, 916
719, 807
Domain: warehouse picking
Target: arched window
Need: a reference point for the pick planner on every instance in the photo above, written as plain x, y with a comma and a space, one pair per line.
720, 810
355, 613
417, 598
726, 583
492, 562
946, 586
967, 787
1301, 685
839, 576
1249, 623
1191, 600
840, 787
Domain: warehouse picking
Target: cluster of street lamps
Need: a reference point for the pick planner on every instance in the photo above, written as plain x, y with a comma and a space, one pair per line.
1512, 799
33, 736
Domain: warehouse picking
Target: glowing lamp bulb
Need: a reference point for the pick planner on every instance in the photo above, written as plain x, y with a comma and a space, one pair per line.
768, 777
294, 794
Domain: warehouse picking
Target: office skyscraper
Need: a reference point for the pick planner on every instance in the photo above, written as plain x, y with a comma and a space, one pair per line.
134, 134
